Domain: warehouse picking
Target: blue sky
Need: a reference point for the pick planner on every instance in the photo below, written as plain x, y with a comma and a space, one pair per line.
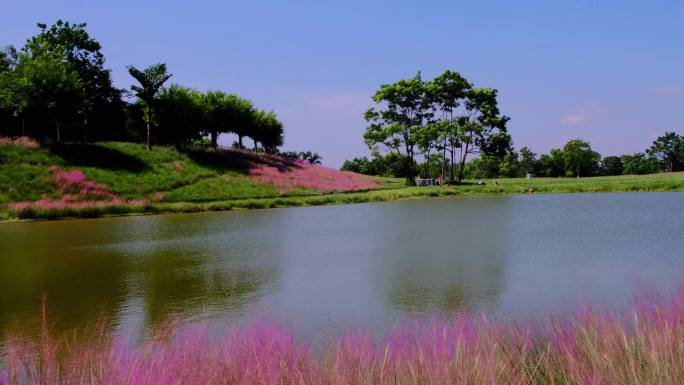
611, 72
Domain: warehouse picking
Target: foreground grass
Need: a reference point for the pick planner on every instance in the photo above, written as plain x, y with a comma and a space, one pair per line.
643, 346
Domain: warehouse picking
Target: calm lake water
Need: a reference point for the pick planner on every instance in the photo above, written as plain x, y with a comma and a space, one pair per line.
320, 270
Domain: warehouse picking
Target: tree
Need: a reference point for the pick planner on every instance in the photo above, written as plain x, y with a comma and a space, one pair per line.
102, 104
612, 165
667, 149
231, 113
509, 166
8, 58
359, 165
151, 80
44, 87
268, 131
310, 157
482, 129
180, 112
447, 92
390, 165
427, 138
551, 164
213, 103
240, 116
579, 158
483, 167
405, 110
638, 164
528, 159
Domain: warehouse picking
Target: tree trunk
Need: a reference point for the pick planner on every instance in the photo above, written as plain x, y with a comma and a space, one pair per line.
240, 141
409, 167
443, 160
427, 164
214, 139
451, 166
149, 147
58, 136
461, 168
255, 145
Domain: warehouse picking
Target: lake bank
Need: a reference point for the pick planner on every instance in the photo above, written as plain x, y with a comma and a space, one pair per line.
117, 178
663, 182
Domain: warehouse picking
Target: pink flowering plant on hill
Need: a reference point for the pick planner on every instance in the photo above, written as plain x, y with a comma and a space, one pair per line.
22, 141
286, 175
77, 193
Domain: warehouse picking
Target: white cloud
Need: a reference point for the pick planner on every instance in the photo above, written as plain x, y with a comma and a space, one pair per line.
666, 90
574, 119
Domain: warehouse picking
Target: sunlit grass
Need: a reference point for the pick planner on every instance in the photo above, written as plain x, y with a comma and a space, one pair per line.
168, 180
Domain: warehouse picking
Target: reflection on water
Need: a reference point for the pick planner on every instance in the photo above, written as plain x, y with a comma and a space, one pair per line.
458, 267
149, 268
326, 269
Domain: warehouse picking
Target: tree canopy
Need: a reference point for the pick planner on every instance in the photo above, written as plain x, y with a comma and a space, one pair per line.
444, 113
57, 88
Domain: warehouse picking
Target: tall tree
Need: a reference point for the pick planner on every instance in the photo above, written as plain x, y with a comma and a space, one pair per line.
612, 165
268, 131
579, 158
638, 164
551, 164
447, 92
46, 88
482, 128
215, 109
527, 160
427, 139
102, 104
179, 111
239, 115
667, 149
151, 80
404, 111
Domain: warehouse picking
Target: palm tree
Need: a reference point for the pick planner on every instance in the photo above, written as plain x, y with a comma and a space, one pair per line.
151, 79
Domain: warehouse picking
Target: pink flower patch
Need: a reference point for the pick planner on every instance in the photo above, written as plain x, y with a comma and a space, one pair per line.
78, 193
75, 182
22, 141
310, 176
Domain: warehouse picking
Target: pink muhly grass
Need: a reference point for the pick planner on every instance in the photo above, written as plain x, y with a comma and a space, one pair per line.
75, 182
310, 176
78, 193
643, 346
22, 141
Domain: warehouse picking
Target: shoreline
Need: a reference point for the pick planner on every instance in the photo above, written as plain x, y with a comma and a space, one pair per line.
505, 187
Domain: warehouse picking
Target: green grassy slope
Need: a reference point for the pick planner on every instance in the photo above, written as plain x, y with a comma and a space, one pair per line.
132, 172
175, 181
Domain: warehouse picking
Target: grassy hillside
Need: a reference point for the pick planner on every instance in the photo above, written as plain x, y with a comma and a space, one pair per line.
97, 177
116, 178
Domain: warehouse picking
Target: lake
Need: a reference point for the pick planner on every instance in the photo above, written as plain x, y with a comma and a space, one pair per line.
321, 270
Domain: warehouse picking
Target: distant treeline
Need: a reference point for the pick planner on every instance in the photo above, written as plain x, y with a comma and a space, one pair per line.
575, 159
56, 88
447, 120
